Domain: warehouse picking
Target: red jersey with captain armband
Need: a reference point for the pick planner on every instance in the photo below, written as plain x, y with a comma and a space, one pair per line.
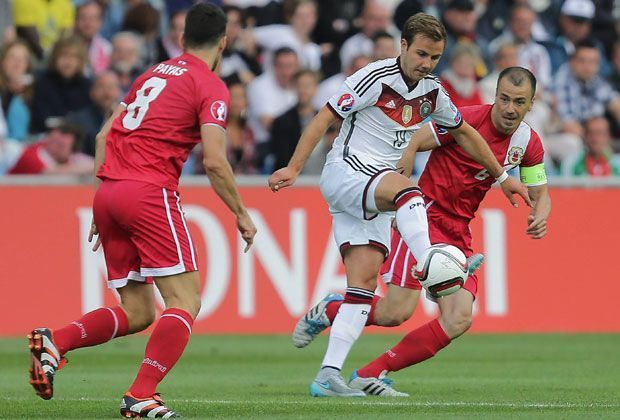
455, 182
166, 107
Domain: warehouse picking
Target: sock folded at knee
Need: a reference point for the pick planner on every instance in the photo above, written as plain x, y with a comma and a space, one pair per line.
411, 220
95, 327
347, 325
163, 350
331, 310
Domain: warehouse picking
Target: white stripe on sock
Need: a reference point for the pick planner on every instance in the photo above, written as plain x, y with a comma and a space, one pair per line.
189, 328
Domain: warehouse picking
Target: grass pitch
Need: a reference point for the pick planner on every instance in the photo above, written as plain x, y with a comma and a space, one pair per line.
491, 376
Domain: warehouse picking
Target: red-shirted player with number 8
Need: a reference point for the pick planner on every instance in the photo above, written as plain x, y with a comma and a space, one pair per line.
137, 213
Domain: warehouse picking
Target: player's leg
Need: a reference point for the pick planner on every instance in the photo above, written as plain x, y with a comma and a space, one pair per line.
135, 312
397, 192
362, 263
425, 341
181, 294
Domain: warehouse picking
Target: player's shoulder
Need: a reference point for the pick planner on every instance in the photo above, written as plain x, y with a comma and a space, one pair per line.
476, 115
367, 76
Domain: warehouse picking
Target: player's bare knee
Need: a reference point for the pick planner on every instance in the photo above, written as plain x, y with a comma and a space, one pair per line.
456, 322
139, 317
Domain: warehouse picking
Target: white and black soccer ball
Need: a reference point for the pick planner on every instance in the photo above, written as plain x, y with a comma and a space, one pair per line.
443, 270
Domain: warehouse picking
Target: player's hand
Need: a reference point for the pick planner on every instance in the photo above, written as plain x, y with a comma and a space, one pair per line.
536, 226
246, 227
512, 186
282, 178
94, 232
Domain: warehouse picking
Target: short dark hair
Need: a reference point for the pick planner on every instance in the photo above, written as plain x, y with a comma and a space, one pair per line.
380, 35
205, 25
283, 50
425, 25
516, 76
588, 43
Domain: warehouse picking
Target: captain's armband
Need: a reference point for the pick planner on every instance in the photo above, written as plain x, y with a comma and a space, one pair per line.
533, 176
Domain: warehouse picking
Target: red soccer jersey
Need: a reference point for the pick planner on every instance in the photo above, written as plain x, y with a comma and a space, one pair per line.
455, 181
166, 107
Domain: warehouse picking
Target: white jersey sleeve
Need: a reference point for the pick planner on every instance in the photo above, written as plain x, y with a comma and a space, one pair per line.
446, 114
357, 92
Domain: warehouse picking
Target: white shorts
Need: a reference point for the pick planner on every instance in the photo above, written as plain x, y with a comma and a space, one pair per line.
350, 194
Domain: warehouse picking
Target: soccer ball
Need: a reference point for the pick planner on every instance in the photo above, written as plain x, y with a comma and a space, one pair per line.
443, 270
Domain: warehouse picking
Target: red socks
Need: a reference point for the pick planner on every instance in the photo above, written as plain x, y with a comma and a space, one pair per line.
163, 349
417, 346
96, 327
332, 309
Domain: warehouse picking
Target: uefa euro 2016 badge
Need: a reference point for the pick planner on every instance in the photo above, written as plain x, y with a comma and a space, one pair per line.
345, 103
425, 108
407, 114
515, 155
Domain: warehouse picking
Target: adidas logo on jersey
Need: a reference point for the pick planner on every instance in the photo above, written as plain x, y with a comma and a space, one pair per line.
391, 104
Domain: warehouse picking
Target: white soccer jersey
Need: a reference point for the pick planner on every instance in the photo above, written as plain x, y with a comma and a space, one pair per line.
381, 113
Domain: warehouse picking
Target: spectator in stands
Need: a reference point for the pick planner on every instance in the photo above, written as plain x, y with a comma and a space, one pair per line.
125, 59
63, 86
240, 56
460, 20
43, 22
56, 153
459, 80
7, 29
614, 78
169, 46
384, 46
287, 128
105, 94
506, 55
16, 88
269, 95
328, 87
89, 18
375, 17
295, 35
597, 158
575, 24
581, 92
532, 55
241, 145
143, 20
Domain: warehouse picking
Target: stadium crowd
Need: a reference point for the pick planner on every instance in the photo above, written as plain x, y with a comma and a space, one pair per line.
65, 64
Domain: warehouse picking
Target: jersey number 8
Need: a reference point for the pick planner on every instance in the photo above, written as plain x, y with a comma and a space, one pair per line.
136, 111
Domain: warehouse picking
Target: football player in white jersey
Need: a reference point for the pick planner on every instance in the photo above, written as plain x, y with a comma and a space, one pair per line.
382, 104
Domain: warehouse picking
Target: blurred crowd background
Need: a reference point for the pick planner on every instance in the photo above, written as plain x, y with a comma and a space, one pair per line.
64, 65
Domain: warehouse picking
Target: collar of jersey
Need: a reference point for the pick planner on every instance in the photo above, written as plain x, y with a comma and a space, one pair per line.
404, 77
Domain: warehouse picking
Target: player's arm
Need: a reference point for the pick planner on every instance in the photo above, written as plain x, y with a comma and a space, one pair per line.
222, 179
310, 137
472, 142
100, 140
421, 141
536, 180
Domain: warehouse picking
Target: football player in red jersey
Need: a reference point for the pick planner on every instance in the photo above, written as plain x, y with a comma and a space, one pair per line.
138, 218
454, 186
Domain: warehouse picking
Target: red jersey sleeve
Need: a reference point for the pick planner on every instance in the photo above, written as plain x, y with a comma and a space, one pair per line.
29, 162
213, 99
442, 136
535, 153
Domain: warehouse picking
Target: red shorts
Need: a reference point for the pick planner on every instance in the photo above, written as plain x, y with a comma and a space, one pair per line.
442, 228
143, 232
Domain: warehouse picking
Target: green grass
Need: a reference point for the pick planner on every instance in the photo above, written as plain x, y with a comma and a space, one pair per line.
496, 376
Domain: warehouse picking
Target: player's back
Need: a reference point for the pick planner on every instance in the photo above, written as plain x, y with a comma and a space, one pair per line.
166, 107
455, 181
